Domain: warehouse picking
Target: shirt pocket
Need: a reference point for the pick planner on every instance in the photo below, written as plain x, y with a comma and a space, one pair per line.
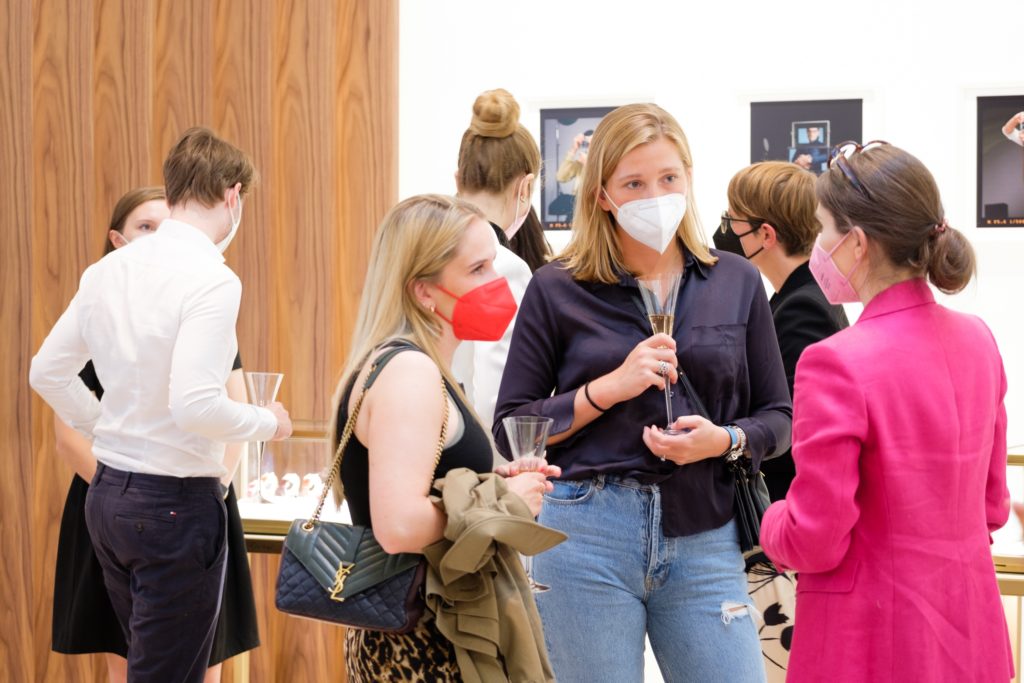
716, 358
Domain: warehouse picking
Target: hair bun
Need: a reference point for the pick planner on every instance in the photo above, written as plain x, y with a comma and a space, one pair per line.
495, 114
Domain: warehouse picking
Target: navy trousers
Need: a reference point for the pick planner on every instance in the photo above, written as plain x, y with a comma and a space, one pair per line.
161, 543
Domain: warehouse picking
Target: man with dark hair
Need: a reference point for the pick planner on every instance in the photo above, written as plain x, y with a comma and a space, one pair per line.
157, 318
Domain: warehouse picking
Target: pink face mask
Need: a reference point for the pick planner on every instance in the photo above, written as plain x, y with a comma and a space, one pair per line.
517, 220
833, 283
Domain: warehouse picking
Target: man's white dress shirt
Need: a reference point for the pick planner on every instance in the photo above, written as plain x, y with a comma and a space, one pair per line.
157, 317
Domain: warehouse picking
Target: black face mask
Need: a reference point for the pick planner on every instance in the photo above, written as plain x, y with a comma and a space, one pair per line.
730, 241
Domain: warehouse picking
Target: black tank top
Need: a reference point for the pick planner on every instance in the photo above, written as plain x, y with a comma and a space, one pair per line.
472, 450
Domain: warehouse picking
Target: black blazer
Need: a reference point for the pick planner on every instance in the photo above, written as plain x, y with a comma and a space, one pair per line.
802, 316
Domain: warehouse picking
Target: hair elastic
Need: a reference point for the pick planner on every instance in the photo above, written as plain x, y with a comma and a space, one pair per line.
586, 394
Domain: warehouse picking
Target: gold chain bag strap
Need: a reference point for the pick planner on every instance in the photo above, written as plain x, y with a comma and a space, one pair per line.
338, 572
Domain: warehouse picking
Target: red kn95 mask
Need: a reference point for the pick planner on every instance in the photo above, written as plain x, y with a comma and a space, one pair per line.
482, 313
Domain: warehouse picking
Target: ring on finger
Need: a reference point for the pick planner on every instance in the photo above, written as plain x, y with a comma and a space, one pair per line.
662, 368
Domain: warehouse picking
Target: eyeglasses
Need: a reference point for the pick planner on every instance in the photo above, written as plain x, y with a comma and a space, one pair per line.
727, 221
843, 151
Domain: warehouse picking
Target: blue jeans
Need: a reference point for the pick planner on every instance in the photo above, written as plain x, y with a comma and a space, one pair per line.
618, 578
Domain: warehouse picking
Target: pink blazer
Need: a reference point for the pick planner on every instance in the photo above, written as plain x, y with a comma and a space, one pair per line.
899, 439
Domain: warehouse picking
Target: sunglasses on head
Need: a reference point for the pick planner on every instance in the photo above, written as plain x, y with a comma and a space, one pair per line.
844, 151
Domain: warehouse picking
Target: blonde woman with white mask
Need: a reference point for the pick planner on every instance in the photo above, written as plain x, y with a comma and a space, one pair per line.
653, 549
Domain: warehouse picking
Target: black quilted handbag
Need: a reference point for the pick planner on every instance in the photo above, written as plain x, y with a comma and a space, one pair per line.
338, 572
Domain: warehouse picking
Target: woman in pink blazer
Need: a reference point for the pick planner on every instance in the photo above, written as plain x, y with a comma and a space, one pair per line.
899, 439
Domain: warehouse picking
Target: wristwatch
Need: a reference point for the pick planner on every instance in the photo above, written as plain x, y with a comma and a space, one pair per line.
737, 443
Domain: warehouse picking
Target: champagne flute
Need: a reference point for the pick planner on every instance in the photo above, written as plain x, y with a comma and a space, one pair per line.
660, 294
527, 436
262, 388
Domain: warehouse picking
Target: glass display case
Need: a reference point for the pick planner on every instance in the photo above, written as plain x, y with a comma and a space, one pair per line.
287, 484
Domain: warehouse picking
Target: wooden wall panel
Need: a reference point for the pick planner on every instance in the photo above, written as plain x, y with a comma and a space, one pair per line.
304, 210
183, 65
16, 603
62, 156
242, 112
122, 107
366, 176
92, 95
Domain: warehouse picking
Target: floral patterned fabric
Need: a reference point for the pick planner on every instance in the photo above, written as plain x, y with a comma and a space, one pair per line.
774, 595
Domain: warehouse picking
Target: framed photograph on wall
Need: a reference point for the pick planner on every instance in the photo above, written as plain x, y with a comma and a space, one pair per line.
564, 142
1001, 161
803, 131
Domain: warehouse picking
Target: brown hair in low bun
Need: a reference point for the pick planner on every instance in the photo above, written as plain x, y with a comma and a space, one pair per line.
898, 206
951, 262
496, 149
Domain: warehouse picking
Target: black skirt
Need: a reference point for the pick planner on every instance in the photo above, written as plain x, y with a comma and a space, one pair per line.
83, 618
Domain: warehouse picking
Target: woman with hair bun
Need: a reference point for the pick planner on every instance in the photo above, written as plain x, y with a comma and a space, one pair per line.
899, 439
498, 163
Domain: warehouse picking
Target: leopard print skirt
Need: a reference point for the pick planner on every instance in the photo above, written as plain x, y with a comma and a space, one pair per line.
420, 656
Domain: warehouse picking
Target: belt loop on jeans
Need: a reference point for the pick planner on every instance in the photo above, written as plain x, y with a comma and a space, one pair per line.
599, 482
127, 480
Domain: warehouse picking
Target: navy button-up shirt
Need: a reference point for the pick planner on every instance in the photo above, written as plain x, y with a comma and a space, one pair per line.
569, 332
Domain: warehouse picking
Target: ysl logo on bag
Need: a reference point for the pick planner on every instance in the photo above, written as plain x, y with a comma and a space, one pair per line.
339, 580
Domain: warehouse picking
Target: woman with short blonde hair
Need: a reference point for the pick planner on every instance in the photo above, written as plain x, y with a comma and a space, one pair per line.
771, 222
653, 548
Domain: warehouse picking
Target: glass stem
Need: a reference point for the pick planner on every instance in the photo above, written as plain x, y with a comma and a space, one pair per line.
668, 403
260, 445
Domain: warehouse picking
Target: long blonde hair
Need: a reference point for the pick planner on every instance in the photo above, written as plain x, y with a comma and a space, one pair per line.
415, 241
593, 252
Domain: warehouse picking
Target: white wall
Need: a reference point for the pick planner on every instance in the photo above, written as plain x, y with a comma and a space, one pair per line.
917, 66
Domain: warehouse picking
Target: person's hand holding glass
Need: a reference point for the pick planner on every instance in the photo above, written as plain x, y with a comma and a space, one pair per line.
262, 388
651, 363
660, 294
527, 437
